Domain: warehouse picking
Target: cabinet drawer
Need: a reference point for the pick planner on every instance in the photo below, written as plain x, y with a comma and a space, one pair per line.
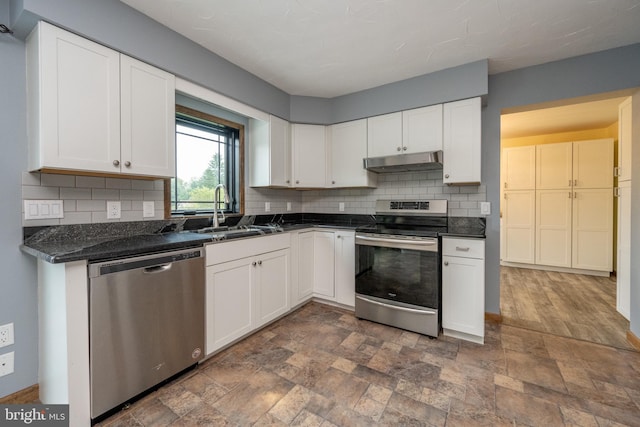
468, 248
220, 252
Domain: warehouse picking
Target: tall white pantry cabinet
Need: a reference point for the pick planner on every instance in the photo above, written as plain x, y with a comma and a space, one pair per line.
623, 195
559, 214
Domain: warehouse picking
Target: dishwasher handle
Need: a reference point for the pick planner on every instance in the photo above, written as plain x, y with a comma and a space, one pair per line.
157, 269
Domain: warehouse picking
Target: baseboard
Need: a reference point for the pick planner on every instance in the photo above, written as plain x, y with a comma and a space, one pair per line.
493, 317
556, 269
27, 395
633, 340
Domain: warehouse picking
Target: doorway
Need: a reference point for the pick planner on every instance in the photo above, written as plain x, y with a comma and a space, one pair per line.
560, 301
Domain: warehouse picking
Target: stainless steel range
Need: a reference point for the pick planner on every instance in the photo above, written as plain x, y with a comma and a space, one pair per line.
398, 277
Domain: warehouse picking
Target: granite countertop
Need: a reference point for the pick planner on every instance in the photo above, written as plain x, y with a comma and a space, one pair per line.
96, 242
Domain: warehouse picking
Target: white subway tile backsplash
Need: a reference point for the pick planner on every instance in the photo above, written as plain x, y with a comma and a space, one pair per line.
77, 218
139, 184
33, 192
118, 183
31, 178
69, 205
158, 184
91, 205
103, 194
153, 195
51, 180
75, 193
90, 182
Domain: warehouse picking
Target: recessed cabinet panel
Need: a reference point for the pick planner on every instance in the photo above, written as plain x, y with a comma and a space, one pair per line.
554, 166
592, 229
553, 227
384, 135
519, 168
310, 155
625, 120
269, 153
461, 146
348, 146
593, 164
148, 119
74, 102
422, 129
519, 226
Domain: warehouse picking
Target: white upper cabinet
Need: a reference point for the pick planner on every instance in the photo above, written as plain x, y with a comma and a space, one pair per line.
624, 140
554, 166
348, 147
462, 136
384, 135
73, 102
148, 115
422, 129
410, 131
593, 164
270, 153
309, 155
519, 168
91, 109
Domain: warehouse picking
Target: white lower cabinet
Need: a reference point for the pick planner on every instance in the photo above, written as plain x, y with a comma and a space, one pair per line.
326, 266
243, 294
463, 288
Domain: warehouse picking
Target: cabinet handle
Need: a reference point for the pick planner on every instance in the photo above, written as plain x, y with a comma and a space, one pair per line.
398, 149
505, 196
297, 182
260, 262
446, 176
333, 182
505, 185
404, 148
461, 249
569, 183
446, 263
288, 181
616, 192
254, 263
116, 163
575, 182
616, 171
569, 194
127, 163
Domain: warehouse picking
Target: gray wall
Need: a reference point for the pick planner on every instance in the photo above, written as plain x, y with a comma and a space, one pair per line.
18, 286
116, 25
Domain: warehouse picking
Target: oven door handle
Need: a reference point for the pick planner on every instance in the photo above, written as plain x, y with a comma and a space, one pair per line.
398, 241
395, 307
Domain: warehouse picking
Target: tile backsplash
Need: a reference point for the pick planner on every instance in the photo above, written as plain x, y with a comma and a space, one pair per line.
85, 197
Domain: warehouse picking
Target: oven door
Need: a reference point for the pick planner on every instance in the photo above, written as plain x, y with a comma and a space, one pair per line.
398, 282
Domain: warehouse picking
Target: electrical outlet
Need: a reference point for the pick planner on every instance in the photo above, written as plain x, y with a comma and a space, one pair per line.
6, 335
485, 208
267, 206
6, 364
341, 206
148, 209
288, 206
113, 210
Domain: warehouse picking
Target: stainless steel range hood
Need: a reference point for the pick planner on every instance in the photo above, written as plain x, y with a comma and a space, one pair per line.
431, 160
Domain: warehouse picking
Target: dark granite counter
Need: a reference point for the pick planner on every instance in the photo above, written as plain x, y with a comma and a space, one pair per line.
471, 227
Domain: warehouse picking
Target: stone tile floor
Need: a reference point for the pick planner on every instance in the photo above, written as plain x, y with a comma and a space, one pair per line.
320, 366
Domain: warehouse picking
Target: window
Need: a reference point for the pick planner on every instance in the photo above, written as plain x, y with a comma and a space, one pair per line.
208, 153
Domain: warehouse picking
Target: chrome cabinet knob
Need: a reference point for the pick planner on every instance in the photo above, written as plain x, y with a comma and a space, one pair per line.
260, 262
297, 182
446, 263
116, 163
404, 148
399, 149
127, 163
253, 263
446, 176
333, 182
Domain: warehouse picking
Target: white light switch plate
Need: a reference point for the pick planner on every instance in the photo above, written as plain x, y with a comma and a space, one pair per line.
6, 364
148, 209
485, 208
43, 209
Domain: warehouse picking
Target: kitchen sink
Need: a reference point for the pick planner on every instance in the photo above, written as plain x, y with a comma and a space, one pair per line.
226, 233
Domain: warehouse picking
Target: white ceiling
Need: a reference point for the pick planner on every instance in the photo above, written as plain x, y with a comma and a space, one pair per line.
328, 48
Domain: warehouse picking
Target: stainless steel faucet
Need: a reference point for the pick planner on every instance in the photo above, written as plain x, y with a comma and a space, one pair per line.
216, 200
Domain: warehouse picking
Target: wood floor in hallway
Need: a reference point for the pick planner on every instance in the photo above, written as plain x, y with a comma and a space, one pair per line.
570, 305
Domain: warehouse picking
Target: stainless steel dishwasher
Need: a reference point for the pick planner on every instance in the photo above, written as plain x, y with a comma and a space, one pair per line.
146, 323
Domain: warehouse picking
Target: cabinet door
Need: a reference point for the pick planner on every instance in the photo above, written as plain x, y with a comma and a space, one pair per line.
324, 264
463, 295
462, 142
384, 135
422, 129
306, 262
348, 146
345, 268
519, 226
229, 309
624, 140
272, 285
593, 164
623, 294
280, 152
519, 168
74, 102
592, 229
310, 155
553, 227
554, 166
148, 119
